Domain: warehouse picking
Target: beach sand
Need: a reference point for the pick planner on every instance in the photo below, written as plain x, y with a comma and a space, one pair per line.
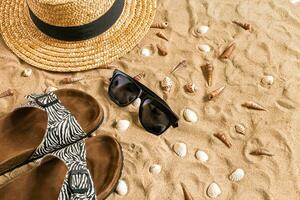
272, 48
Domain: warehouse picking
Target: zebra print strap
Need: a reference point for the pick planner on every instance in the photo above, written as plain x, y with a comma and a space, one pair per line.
62, 128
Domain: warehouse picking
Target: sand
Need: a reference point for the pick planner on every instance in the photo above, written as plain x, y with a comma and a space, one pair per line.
273, 48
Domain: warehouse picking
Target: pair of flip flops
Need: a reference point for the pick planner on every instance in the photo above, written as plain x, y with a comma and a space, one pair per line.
53, 127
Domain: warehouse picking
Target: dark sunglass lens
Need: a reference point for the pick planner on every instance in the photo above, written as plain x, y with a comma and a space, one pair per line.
152, 118
123, 90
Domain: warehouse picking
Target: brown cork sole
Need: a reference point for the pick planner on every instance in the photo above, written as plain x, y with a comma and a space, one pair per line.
22, 130
105, 162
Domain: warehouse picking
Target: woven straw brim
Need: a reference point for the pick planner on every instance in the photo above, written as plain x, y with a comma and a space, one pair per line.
44, 52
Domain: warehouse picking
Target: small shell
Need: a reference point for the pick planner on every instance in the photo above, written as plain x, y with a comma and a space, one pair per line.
139, 76
155, 169
190, 87
240, 129
180, 149
136, 103
202, 29
166, 84
161, 25
182, 64
208, 73
69, 80
261, 152
147, 51
204, 47
7, 93
215, 93
122, 188
253, 105
190, 116
267, 80
228, 51
162, 36
213, 190
50, 89
122, 125
223, 138
237, 175
161, 50
202, 156
294, 1
27, 72
186, 192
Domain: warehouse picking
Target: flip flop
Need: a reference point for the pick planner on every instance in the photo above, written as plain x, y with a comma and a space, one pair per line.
48, 122
83, 170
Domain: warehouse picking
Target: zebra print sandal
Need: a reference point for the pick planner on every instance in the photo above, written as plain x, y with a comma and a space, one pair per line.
48, 122
86, 170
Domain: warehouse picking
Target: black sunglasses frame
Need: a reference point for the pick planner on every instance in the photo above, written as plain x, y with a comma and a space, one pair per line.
144, 94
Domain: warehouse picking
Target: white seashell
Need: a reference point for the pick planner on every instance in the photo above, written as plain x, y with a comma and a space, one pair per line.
146, 51
122, 125
294, 1
202, 156
137, 103
237, 175
213, 190
155, 169
27, 72
166, 84
180, 149
122, 188
190, 115
202, 29
50, 89
267, 80
204, 47
240, 128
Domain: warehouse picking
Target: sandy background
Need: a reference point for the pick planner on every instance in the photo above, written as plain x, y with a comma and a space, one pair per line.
273, 48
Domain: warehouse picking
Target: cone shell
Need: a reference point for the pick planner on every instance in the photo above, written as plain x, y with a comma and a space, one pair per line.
240, 129
237, 175
7, 93
166, 84
215, 93
180, 65
228, 51
213, 190
245, 26
223, 138
208, 73
122, 188
190, 87
162, 36
180, 149
69, 80
161, 50
161, 25
253, 105
261, 152
186, 192
139, 76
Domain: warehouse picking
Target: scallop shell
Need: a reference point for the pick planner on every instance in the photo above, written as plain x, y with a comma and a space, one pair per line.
240, 128
122, 125
50, 89
213, 190
122, 188
237, 175
136, 103
202, 29
190, 115
155, 169
202, 156
27, 72
166, 84
204, 47
180, 149
190, 87
267, 80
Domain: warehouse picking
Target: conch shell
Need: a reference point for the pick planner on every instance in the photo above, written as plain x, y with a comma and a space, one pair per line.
223, 138
180, 65
208, 73
166, 84
261, 152
160, 25
215, 93
187, 194
161, 50
253, 105
69, 80
139, 76
228, 51
162, 36
7, 93
245, 26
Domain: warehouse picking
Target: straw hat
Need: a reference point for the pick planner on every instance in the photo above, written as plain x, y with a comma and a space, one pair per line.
74, 35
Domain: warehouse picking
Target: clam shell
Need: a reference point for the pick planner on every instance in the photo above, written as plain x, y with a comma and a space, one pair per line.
237, 175
27, 72
213, 190
267, 80
122, 188
136, 103
202, 156
204, 47
122, 125
50, 89
240, 128
190, 115
180, 149
166, 84
202, 29
155, 169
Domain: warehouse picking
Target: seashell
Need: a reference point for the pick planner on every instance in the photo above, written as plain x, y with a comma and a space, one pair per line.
50, 89
147, 51
187, 194
213, 190
7, 93
139, 76
136, 103
27, 72
202, 156
223, 138
202, 29
240, 128
166, 84
215, 93
190, 115
190, 87
228, 51
180, 149
122, 188
161, 50
122, 125
161, 25
245, 26
267, 80
155, 169
253, 105
162, 36
208, 73
180, 65
237, 175
261, 152
204, 47
294, 1
70, 80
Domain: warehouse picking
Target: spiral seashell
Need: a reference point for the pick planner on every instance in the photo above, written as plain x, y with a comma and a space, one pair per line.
215, 93
160, 25
253, 105
202, 156
237, 175
187, 194
240, 129
180, 149
190, 115
155, 169
223, 138
245, 26
69, 80
180, 65
228, 51
204, 47
166, 84
122, 188
208, 73
161, 51
261, 152
213, 190
122, 125
139, 76
27, 72
190, 87
7, 93
162, 36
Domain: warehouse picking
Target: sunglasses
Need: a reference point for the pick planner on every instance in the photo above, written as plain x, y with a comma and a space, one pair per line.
154, 113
